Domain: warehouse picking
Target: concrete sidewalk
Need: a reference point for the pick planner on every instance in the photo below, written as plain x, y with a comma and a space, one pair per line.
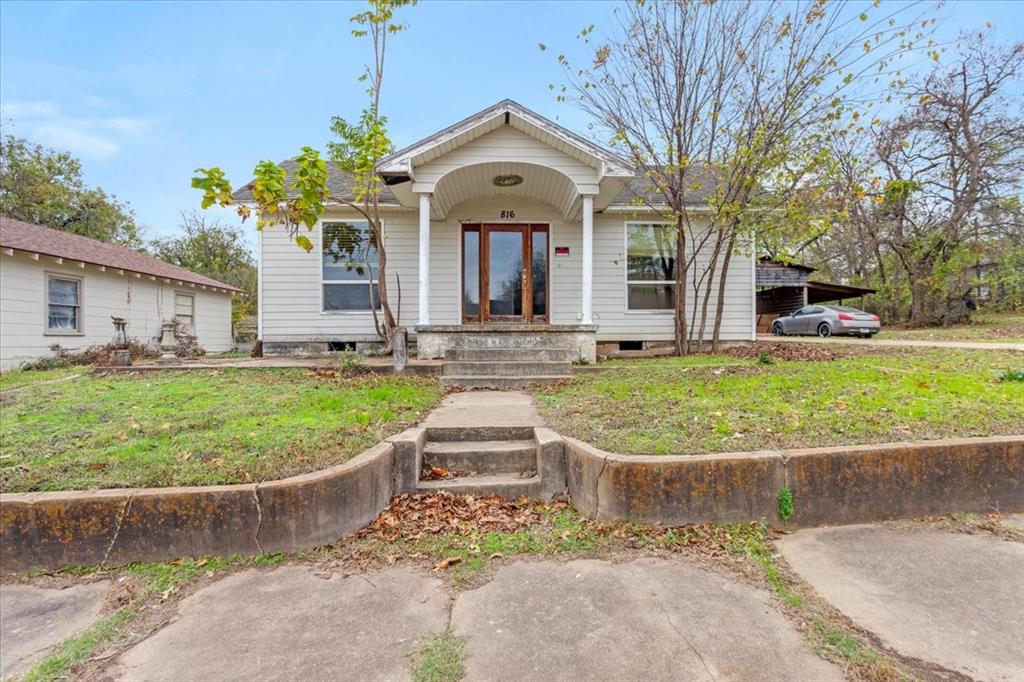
484, 409
897, 343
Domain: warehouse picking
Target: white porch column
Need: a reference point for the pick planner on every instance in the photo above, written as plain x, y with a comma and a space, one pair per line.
424, 279
588, 259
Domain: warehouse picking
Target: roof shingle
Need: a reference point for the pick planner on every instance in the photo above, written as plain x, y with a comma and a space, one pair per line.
16, 234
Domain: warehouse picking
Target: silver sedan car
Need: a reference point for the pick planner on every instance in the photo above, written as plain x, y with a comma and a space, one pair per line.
826, 320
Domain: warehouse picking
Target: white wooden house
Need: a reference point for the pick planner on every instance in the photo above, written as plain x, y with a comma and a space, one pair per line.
502, 226
58, 288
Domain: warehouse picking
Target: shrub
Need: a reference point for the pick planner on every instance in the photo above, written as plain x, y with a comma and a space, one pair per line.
764, 358
351, 361
1012, 375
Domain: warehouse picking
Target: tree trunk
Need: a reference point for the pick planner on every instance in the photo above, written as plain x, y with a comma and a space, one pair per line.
682, 342
720, 302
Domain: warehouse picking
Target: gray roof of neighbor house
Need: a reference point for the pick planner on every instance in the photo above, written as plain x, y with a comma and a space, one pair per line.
640, 189
22, 236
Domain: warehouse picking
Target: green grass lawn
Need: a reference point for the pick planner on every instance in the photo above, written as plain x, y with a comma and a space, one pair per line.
705, 404
193, 428
992, 327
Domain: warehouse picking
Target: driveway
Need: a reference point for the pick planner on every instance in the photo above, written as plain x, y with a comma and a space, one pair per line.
895, 343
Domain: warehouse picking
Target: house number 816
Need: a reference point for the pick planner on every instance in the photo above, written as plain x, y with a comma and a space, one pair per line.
508, 214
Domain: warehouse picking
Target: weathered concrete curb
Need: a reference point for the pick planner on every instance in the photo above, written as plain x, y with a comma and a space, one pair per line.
49, 530
831, 486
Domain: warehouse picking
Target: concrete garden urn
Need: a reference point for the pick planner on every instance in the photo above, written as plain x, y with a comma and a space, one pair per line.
168, 344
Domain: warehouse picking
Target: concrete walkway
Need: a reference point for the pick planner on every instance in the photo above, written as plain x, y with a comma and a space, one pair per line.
948, 598
33, 619
904, 343
484, 409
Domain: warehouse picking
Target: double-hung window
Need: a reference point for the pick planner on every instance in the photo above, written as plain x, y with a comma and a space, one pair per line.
350, 267
650, 266
185, 309
63, 305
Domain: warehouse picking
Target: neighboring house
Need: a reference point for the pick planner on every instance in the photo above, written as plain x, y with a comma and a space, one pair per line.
60, 288
502, 225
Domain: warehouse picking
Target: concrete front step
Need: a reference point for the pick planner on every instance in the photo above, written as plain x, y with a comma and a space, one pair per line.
482, 457
506, 485
509, 354
508, 341
507, 368
500, 383
450, 434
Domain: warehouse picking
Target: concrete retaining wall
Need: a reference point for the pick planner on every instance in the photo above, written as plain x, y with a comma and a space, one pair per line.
831, 486
49, 530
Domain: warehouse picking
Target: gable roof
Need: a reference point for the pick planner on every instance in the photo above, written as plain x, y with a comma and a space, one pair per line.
22, 236
476, 125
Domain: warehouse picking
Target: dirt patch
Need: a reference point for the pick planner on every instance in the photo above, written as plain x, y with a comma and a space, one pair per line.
807, 352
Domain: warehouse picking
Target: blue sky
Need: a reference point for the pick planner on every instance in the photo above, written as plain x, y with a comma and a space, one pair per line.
143, 93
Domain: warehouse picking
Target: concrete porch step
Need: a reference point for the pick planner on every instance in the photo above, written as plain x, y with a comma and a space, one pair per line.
506, 485
507, 368
483, 457
501, 383
509, 354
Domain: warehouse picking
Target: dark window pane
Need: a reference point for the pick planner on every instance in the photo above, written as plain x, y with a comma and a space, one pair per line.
64, 291
471, 274
349, 296
540, 273
651, 296
347, 251
650, 252
63, 318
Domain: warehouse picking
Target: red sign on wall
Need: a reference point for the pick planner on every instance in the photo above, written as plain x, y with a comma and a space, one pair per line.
561, 250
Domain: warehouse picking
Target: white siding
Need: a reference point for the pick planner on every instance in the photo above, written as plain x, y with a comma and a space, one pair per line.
142, 301
291, 278
508, 145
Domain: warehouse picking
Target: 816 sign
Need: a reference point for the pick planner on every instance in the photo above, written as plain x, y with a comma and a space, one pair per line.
507, 214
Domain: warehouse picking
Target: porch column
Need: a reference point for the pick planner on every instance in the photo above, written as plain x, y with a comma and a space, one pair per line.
424, 279
588, 259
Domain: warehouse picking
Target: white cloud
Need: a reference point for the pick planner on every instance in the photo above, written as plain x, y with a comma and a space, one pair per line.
75, 141
98, 137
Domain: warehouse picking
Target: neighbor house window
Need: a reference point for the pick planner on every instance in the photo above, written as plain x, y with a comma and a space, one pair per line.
650, 266
350, 267
185, 309
63, 304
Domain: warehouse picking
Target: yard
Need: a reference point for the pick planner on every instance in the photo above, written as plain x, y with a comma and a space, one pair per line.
703, 404
994, 327
67, 429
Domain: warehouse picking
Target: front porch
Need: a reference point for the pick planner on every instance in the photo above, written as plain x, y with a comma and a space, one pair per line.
576, 342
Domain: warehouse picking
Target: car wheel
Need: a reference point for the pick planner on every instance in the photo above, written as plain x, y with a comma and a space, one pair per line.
777, 329
824, 330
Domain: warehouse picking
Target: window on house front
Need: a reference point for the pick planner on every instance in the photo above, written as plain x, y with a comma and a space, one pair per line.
350, 267
650, 266
185, 309
63, 304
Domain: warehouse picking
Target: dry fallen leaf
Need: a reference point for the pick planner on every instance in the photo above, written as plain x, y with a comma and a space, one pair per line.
444, 564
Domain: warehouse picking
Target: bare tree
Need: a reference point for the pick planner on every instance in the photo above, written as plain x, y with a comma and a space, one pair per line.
938, 183
721, 105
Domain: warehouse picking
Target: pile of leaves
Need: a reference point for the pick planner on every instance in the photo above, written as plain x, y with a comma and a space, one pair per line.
780, 350
412, 516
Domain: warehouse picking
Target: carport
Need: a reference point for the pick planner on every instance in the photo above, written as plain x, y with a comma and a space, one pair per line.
785, 287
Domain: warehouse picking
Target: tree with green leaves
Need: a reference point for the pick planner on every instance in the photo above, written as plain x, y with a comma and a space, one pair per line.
301, 200
45, 187
216, 250
725, 107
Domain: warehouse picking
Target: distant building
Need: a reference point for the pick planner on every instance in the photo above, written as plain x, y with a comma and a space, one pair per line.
61, 288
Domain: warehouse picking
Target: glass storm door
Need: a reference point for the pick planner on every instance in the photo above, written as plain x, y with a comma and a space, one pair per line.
504, 273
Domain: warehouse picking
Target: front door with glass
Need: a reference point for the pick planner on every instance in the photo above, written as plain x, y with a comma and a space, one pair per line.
505, 273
